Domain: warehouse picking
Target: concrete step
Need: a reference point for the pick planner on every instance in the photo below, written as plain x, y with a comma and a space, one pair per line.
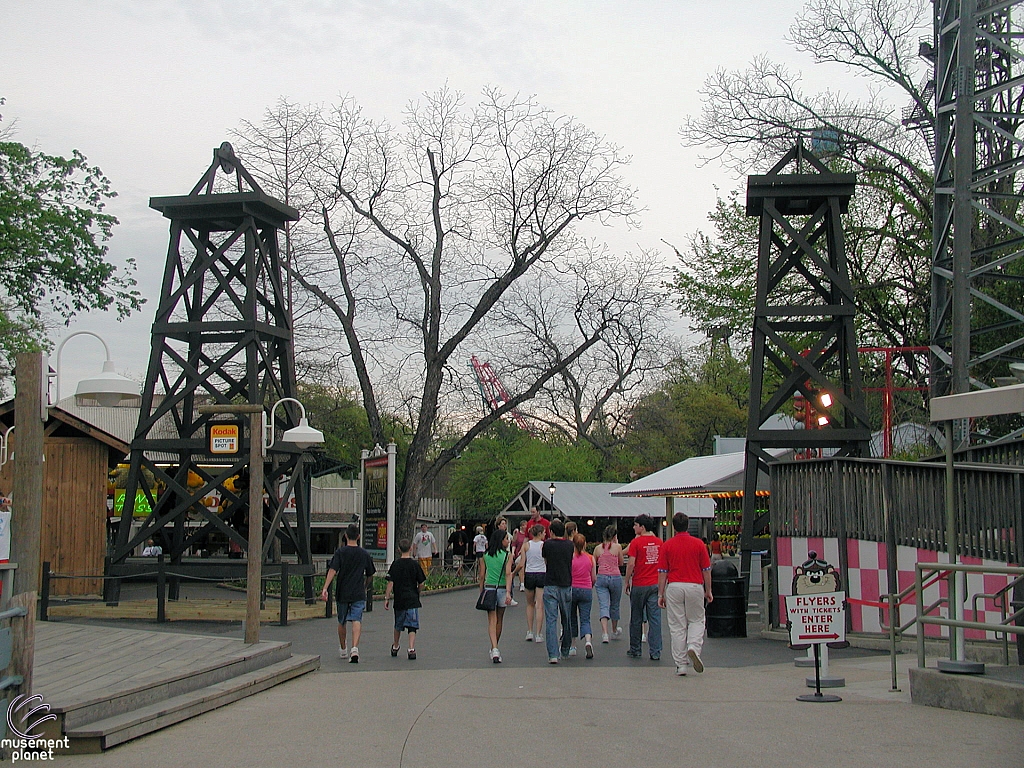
159, 689
117, 729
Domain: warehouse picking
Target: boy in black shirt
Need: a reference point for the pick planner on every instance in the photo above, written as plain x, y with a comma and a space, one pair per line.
405, 575
353, 566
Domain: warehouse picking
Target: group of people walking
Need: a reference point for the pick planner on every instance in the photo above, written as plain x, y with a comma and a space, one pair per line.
559, 578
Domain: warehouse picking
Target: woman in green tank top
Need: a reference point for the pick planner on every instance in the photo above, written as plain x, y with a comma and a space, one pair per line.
495, 571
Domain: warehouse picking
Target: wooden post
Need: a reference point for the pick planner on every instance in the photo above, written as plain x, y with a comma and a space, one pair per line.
254, 557
23, 635
27, 517
254, 570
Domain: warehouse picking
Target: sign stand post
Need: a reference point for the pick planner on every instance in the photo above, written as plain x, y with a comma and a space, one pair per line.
818, 695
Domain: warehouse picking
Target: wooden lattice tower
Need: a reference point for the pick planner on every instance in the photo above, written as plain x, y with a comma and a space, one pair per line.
222, 334
803, 339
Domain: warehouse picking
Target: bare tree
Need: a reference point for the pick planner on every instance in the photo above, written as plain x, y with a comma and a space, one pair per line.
590, 400
427, 232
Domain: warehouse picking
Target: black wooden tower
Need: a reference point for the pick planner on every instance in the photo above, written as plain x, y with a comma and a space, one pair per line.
804, 342
222, 334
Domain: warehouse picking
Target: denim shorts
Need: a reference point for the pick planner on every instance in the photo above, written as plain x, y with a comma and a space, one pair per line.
407, 618
351, 611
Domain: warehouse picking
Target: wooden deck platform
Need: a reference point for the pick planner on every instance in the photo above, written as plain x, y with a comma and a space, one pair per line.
108, 685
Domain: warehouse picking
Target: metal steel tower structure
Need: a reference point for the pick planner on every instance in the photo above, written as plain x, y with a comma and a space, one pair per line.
803, 340
978, 235
222, 334
493, 392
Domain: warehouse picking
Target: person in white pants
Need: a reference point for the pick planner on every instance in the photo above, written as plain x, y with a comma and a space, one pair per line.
684, 584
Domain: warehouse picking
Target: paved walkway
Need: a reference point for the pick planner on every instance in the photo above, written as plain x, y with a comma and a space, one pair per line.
454, 708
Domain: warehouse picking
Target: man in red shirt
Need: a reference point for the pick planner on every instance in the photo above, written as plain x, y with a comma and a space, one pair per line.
536, 519
684, 583
642, 587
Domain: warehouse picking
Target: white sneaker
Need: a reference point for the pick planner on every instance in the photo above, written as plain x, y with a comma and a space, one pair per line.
342, 652
618, 633
529, 636
495, 655
643, 638
604, 638
513, 603
572, 651
353, 655
522, 588
698, 665
538, 638
681, 671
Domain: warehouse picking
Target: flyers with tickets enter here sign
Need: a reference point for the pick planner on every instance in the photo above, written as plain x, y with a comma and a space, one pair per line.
817, 618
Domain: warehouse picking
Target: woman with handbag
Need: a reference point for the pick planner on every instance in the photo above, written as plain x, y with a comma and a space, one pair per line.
495, 570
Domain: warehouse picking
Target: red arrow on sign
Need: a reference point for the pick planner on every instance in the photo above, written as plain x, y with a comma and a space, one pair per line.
813, 637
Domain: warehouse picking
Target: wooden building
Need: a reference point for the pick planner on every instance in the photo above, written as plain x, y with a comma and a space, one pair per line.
80, 447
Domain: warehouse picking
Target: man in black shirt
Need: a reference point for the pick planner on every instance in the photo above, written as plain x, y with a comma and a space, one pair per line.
353, 566
458, 540
557, 552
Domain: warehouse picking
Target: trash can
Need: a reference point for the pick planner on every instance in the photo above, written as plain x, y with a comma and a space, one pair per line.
727, 614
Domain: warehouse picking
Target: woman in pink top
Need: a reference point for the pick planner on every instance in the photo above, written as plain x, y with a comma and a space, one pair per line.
608, 559
582, 595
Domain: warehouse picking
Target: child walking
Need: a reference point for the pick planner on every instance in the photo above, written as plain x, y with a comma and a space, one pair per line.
405, 576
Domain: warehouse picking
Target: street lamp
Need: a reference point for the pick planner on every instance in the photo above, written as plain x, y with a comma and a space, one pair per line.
107, 387
551, 491
5, 445
302, 437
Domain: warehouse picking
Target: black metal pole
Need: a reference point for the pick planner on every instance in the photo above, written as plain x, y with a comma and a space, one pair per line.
44, 592
284, 594
817, 669
161, 608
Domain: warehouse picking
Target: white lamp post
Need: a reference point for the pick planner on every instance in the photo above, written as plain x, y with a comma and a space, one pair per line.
107, 387
302, 436
5, 446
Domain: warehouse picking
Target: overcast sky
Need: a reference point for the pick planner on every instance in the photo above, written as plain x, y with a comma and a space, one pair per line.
147, 88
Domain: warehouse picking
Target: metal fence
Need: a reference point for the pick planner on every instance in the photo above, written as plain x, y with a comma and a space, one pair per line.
901, 503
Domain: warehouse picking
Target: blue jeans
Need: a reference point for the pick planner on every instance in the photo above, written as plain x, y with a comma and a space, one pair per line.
643, 604
556, 607
579, 612
609, 595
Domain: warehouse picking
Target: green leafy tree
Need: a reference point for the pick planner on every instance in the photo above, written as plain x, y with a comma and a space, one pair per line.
53, 252
497, 465
705, 394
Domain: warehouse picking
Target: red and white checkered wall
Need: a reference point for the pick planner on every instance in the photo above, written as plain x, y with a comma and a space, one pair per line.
866, 581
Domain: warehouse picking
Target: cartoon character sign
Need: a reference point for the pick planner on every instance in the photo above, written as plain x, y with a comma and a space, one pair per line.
816, 577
